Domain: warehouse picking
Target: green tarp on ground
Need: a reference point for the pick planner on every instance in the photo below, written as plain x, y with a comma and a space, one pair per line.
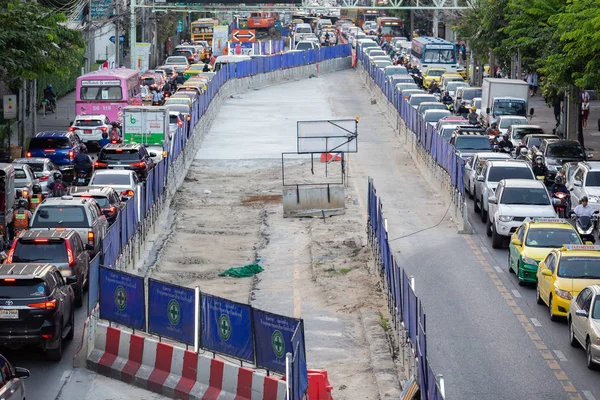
242, 272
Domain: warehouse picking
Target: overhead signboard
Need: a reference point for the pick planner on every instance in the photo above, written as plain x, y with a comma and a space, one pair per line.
243, 35
100, 10
246, 2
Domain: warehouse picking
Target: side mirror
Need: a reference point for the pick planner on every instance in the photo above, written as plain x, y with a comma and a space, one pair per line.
516, 242
22, 373
492, 200
487, 110
89, 247
581, 313
71, 280
153, 154
578, 183
480, 178
546, 272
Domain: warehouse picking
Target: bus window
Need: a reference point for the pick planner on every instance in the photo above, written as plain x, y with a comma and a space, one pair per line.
101, 93
439, 56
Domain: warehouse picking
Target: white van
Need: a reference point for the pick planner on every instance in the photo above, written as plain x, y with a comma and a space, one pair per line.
228, 60
300, 31
321, 23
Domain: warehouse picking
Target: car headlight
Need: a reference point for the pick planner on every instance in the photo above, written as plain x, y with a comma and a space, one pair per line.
553, 167
530, 261
505, 218
593, 199
563, 294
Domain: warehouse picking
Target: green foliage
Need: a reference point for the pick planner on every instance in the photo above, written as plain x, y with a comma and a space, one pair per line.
166, 26
34, 40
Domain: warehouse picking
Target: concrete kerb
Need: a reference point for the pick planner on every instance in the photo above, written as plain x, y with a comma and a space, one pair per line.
433, 173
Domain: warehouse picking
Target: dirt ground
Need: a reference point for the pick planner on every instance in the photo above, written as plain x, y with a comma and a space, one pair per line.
229, 214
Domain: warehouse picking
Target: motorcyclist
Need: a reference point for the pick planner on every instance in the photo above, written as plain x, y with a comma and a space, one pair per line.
558, 186
167, 88
473, 117
115, 132
583, 210
49, 95
447, 99
522, 154
156, 97
36, 197
83, 162
538, 167
206, 68
21, 217
504, 144
434, 88
493, 129
57, 187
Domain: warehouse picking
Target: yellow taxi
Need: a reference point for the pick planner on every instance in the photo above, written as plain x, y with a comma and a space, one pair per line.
564, 273
532, 242
432, 74
450, 77
195, 69
462, 71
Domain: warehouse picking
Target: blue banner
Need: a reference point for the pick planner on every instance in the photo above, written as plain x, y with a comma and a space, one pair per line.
227, 327
300, 371
171, 311
273, 338
122, 298
93, 281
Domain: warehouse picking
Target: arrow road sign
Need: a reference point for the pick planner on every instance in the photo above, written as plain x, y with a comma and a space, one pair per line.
244, 35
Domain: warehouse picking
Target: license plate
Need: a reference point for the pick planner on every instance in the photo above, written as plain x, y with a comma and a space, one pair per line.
9, 314
87, 131
80, 180
118, 167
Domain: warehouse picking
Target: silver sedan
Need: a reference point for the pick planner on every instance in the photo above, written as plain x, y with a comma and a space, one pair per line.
584, 324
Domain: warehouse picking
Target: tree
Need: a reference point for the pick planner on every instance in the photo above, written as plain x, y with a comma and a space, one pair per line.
35, 40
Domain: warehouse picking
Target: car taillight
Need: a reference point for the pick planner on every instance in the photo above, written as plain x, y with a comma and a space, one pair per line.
49, 305
71, 154
112, 209
113, 142
28, 154
189, 117
44, 177
138, 164
127, 193
91, 237
180, 122
10, 280
103, 129
25, 193
70, 257
72, 128
100, 164
9, 258
40, 240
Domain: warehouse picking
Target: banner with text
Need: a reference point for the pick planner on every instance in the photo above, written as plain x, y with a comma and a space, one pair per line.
227, 327
272, 337
171, 311
122, 298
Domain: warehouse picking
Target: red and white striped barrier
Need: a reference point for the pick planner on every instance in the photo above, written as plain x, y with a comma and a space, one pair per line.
175, 372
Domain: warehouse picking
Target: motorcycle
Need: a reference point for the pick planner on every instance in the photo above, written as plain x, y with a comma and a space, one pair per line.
560, 201
81, 179
585, 227
49, 106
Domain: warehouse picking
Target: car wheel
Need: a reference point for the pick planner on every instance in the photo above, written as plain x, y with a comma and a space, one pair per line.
71, 333
488, 228
553, 316
497, 240
78, 301
470, 192
538, 298
572, 338
56, 354
510, 270
588, 355
476, 204
484, 214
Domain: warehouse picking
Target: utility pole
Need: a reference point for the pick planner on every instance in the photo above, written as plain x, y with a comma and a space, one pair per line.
118, 60
132, 36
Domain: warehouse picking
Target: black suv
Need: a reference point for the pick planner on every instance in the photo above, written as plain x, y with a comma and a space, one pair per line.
107, 198
557, 152
36, 307
126, 156
468, 140
62, 248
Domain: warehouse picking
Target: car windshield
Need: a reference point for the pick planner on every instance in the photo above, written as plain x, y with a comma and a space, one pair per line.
396, 71
84, 123
23, 288
470, 94
535, 141
110, 179
498, 173
382, 63
374, 53
579, 267
525, 196
478, 142
478, 104
451, 87
436, 72
519, 133
148, 81
125, 155
50, 252
592, 179
596, 309
445, 56
176, 60
20, 174
512, 107
551, 237
59, 216
36, 168
447, 133
437, 106
566, 150
49, 143
435, 115
392, 30
416, 100
304, 46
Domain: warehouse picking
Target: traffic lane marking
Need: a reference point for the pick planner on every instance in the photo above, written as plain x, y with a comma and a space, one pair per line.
529, 328
588, 395
560, 355
536, 322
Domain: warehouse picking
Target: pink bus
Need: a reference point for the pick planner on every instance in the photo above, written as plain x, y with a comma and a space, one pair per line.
107, 91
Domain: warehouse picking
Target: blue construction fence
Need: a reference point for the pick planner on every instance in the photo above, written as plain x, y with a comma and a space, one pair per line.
404, 305
225, 327
442, 152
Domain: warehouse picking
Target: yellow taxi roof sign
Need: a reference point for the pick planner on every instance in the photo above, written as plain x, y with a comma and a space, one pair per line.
581, 247
552, 220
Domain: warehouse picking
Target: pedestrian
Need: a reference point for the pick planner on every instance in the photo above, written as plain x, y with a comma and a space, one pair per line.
557, 111
585, 95
585, 112
529, 80
535, 82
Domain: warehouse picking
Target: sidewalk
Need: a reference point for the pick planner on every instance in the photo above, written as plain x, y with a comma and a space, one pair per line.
85, 384
544, 117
